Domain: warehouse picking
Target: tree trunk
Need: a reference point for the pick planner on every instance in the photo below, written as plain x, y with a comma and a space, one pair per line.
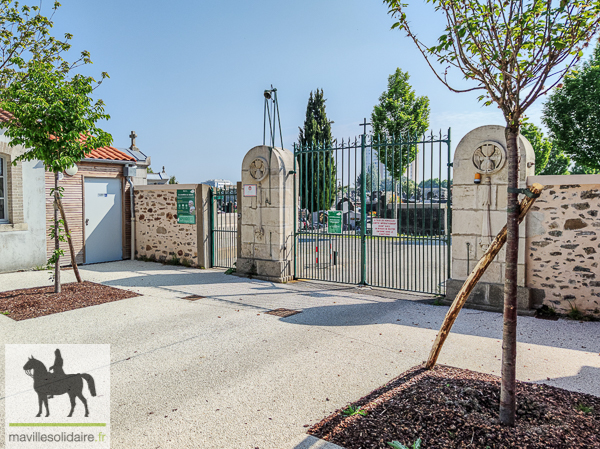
509, 335
56, 237
71, 250
471, 281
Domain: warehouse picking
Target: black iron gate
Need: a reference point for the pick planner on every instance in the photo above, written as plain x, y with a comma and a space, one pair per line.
375, 211
223, 225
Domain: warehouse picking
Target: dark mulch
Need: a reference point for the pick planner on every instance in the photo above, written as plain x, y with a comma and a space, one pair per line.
283, 313
456, 408
34, 302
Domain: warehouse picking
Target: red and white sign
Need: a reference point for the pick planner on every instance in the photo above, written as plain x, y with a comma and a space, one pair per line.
385, 227
249, 189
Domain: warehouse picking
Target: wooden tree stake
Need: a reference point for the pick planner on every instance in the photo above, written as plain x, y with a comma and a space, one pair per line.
474, 277
71, 249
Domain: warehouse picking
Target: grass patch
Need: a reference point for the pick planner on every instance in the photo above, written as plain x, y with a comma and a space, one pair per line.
351, 410
584, 408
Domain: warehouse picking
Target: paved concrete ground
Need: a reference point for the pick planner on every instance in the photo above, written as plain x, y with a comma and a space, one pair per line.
242, 379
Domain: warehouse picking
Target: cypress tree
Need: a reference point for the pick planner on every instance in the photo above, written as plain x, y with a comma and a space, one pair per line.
318, 173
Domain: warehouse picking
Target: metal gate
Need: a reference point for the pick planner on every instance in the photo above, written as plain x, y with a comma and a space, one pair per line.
375, 211
223, 225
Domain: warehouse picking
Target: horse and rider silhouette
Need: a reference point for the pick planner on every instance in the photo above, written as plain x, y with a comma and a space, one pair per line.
47, 385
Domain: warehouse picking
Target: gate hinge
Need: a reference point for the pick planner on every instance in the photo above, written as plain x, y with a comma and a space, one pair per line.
525, 192
450, 164
292, 172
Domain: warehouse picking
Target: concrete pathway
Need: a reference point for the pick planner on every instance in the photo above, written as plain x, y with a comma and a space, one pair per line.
220, 373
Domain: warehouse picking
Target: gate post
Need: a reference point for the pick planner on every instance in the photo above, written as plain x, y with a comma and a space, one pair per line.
267, 208
363, 209
479, 198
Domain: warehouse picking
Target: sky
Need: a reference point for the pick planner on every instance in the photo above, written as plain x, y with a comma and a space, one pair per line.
188, 76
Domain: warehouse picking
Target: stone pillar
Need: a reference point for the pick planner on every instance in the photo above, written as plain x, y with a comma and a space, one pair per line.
267, 220
203, 225
479, 213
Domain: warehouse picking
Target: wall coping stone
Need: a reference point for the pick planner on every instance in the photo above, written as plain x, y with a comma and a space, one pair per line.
552, 180
168, 186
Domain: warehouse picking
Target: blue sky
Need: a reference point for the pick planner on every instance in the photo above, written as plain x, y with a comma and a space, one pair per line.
188, 76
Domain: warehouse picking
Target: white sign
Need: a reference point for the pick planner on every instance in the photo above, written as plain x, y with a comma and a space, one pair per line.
249, 189
385, 227
34, 374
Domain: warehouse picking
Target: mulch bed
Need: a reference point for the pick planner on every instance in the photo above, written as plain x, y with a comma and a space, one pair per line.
456, 408
40, 301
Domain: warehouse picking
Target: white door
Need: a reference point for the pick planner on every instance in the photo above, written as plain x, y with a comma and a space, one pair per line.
103, 215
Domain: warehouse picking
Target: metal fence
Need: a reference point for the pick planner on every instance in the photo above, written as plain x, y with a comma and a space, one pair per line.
223, 226
375, 211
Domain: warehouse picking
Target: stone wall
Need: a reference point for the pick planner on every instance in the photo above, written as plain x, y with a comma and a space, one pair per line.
158, 235
563, 250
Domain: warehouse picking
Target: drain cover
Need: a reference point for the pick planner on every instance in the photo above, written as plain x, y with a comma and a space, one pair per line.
193, 297
283, 313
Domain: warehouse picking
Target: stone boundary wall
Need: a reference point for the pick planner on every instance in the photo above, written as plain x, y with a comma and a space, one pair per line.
563, 249
158, 235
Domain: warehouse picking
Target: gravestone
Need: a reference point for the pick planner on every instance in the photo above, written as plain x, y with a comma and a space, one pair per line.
267, 215
479, 213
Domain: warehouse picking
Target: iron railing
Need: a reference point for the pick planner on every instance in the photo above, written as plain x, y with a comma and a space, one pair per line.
394, 196
223, 224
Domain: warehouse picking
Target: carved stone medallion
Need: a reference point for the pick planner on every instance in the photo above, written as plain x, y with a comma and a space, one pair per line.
489, 157
259, 168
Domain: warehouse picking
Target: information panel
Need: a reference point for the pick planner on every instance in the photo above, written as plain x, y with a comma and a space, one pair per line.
385, 227
334, 222
186, 206
249, 189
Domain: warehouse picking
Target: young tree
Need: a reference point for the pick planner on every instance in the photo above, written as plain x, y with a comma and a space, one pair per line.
25, 36
541, 145
54, 116
318, 182
515, 52
400, 114
572, 114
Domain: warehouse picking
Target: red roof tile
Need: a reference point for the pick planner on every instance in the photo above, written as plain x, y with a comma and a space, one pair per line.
102, 153
109, 153
5, 116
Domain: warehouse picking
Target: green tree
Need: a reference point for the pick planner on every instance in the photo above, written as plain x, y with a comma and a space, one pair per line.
572, 113
25, 37
400, 114
583, 170
368, 181
558, 162
541, 145
54, 116
514, 52
318, 180
434, 183
173, 180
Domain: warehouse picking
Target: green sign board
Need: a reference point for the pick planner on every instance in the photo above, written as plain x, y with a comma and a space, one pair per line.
334, 221
186, 206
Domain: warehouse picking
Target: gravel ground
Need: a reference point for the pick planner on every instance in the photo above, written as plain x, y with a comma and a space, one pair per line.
239, 377
40, 301
457, 408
